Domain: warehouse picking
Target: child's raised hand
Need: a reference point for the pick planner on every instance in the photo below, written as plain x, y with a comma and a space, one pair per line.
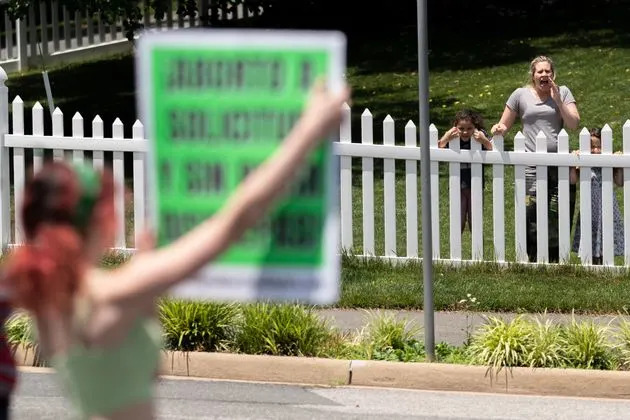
576, 153
452, 133
479, 136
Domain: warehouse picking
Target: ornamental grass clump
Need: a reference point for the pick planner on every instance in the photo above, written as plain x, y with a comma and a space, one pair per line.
385, 337
587, 346
501, 345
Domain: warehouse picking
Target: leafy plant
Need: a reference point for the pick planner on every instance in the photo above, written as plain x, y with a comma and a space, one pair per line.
447, 353
501, 345
587, 346
623, 337
288, 330
21, 332
198, 326
548, 343
386, 338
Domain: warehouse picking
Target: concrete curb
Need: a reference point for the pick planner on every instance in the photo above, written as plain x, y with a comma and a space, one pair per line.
303, 370
424, 376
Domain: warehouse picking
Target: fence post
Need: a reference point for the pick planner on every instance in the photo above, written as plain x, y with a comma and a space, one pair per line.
20, 35
5, 211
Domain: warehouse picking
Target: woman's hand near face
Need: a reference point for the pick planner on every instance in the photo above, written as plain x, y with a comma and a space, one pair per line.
555, 92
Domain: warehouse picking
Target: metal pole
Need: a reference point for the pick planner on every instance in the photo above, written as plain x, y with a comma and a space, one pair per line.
425, 164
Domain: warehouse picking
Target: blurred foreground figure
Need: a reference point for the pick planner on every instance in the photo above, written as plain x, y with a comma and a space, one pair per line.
8, 371
96, 327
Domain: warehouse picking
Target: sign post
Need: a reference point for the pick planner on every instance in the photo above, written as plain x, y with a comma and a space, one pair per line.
216, 104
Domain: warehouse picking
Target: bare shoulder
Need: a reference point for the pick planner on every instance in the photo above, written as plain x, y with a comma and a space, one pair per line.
99, 282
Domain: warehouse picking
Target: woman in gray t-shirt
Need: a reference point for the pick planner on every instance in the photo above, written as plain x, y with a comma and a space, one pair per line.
544, 106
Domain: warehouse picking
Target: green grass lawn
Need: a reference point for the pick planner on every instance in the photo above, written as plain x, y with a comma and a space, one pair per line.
518, 288
477, 73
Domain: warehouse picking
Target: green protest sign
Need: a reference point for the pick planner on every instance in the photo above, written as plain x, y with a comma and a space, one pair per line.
217, 103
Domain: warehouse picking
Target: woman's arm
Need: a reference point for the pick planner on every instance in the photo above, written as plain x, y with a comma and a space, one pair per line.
570, 115
569, 112
150, 274
505, 123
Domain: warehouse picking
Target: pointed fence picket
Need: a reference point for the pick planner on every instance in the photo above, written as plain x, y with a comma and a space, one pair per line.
585, 247
498, 200
389, 190
564, 223
368, 185
411, 193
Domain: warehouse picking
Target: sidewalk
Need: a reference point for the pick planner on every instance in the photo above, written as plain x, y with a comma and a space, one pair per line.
451, 327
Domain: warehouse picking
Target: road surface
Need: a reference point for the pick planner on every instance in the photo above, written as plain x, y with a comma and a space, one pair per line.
38, 397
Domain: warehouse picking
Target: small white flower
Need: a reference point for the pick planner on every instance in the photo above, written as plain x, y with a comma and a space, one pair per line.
469, 295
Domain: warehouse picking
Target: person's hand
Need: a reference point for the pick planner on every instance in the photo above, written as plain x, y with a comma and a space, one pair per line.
452, 133
498, 128
480, 137
555, 91
323, 110
576, 153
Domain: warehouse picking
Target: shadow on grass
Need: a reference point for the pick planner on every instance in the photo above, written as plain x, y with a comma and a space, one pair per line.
105, 88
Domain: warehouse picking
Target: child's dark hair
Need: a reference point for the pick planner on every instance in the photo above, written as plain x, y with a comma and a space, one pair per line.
597, 132
470, 115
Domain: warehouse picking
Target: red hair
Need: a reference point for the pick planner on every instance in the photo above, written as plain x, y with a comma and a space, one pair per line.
47, 269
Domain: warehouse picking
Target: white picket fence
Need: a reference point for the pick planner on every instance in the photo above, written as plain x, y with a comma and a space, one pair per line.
499, 159
69, 146
52, 34
73, 145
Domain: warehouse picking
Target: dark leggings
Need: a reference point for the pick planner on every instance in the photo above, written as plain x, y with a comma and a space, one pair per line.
552, 200
4, 408
465, 205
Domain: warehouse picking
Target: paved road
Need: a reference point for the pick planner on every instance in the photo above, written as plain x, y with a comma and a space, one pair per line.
39, 398
451, 327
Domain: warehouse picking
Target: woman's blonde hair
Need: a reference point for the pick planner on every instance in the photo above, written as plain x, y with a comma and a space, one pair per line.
532, 67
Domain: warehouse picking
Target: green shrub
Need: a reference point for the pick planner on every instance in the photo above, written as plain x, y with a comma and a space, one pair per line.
282, 329
587, 346
499, 344
20, 331
447, 353
386, 338
548, 344
342, 346
198, 326
623, 337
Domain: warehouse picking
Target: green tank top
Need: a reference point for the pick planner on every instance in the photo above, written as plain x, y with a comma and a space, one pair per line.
103, 380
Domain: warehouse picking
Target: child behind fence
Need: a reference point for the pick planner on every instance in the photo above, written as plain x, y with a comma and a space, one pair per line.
467, 125
596, 206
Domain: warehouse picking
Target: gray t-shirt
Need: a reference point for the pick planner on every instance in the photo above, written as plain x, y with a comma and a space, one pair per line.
539, 116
